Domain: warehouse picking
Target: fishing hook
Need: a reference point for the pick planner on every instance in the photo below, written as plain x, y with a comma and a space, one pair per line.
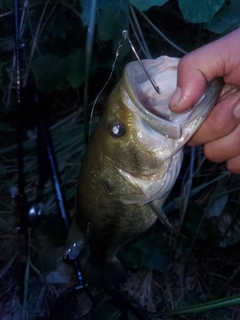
125, 34
120, 44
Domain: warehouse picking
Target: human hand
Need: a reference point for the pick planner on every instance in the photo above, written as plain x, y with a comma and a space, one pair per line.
220, 132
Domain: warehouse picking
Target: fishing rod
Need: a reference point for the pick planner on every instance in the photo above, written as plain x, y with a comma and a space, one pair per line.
29, 214
47, 167
46, 157
20, 130
21, 197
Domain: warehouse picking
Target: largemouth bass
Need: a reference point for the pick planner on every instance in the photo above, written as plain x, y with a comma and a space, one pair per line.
131, 164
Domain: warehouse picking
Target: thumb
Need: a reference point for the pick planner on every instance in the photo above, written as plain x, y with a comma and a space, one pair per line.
191, 84
199, 67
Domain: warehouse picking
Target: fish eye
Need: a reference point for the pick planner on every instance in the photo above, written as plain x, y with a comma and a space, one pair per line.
116, 129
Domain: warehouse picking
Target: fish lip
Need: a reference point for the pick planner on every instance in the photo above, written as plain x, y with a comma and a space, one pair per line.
133, 77
170, 125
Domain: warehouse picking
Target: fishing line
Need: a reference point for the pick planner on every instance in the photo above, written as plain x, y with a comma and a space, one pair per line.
125, 33
138, 33
120, 44
161, 33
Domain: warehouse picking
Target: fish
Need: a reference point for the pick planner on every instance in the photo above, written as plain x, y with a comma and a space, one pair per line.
131, 164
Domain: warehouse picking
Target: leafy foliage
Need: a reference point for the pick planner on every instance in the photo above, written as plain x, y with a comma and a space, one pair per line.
113, 20
138, 254
59, 35
54, 35
226, 19
145, 4
75, 74
46, 81
199, 11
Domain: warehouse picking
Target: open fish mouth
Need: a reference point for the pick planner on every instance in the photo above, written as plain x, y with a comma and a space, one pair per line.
152, 107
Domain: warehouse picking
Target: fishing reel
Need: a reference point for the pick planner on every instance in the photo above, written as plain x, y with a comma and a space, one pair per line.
33, 210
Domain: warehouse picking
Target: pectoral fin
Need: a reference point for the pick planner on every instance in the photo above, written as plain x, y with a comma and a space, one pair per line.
156, 206
75, 241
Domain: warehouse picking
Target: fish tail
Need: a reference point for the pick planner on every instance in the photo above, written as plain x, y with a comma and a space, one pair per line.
105, 274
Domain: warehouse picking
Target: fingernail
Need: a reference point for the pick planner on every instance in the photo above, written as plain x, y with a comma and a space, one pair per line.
175, 98
236, 111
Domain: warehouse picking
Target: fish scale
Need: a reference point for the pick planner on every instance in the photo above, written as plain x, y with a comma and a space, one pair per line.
131, 164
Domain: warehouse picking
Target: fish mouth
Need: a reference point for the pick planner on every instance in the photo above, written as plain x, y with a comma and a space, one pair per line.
153, 107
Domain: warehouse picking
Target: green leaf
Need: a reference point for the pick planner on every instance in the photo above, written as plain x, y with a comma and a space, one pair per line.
87, 8
85, 15
147, 251
144, 5
49, 71
226, 19
113, 20
155, 258
199, 11
76, 63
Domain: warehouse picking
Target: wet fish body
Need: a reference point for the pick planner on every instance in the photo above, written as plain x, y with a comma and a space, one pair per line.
131, 164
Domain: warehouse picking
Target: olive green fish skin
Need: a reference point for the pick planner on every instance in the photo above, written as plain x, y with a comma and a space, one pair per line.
101, 185
131, 164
